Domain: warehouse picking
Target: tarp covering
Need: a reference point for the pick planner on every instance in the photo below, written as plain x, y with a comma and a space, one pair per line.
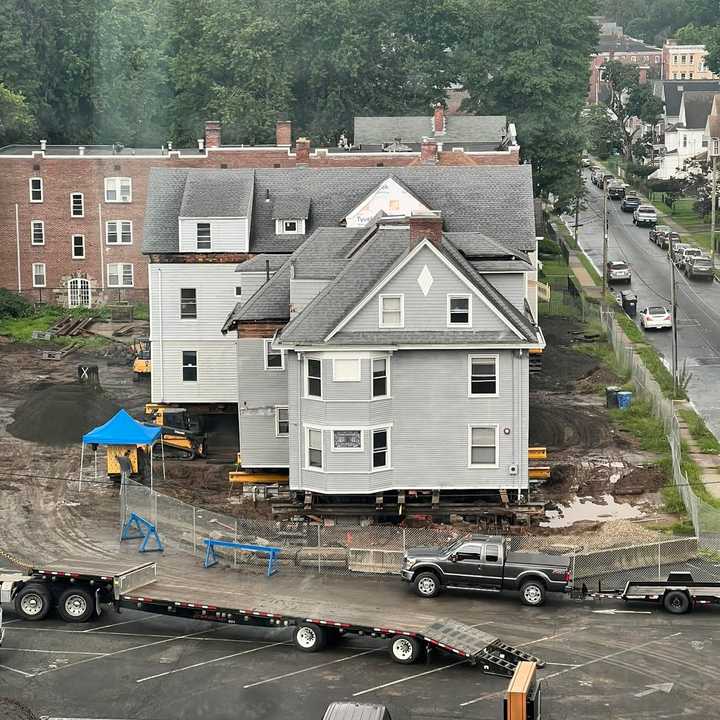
122, 429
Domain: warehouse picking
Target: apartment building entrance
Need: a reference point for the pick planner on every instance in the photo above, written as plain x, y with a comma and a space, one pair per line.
79, 292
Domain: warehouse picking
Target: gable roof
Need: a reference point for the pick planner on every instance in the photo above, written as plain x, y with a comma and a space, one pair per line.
671, 91
413, 128
217, 193
291, 207
259, 263
697, 106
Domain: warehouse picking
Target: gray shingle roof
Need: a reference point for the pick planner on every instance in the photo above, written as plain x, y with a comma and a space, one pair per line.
424, 337
293, 207
412, 129
672, 93
697, 108
165, 194
258, 263
217, 193
270, 302
477, 245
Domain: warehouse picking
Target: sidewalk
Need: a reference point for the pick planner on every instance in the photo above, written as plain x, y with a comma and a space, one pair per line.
709, 463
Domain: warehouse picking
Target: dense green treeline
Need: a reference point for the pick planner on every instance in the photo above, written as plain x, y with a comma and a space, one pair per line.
144, 72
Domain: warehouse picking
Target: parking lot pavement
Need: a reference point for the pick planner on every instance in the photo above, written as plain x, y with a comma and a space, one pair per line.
622, 664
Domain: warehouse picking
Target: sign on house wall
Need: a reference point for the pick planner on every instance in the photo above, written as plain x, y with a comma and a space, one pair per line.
390, 199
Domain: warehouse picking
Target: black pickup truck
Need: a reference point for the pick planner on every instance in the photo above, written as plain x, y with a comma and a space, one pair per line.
484, 563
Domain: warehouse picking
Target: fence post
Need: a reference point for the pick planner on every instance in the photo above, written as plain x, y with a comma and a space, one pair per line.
403, 537
659, 546
318, 549
194, 535
574, 554
236, 539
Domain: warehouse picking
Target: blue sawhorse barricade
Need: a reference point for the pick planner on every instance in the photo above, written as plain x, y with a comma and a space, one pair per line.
211, 558
138, 527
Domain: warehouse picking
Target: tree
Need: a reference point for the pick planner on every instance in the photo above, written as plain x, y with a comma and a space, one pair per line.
602, 131
630, 101
16, 121
529, 60
708, 35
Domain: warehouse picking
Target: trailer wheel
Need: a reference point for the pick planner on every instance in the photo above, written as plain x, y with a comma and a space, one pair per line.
310, 637
676, 602
33, 602
405, 650
427, 584
532, 593
76, 605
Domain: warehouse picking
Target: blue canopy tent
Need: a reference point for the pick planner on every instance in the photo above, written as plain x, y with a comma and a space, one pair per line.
122, 429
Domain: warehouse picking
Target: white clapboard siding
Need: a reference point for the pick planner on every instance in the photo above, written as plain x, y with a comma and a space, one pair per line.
226, 234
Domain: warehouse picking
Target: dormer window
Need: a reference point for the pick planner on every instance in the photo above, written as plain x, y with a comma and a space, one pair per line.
290, 227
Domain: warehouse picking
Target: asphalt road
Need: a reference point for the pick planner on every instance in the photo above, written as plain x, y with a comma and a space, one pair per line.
698, 301
604, 660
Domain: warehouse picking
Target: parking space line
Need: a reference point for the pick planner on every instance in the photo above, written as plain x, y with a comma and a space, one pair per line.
120, 652
15, 670
207, 662
314, 667
410, 677
124, 622
60, 652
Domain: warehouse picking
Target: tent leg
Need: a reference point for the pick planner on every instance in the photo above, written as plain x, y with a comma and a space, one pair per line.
82, 458
96, 474
151, 469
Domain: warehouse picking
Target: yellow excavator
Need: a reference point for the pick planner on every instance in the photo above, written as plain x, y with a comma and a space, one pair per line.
142, 365
182, 436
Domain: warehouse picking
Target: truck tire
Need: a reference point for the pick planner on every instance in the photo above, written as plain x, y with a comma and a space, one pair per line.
677, 602
427, 584
76, 605
310, 637
532, 593
33, 602
405, 650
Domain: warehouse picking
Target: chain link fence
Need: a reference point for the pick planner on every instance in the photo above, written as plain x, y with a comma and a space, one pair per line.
704, 517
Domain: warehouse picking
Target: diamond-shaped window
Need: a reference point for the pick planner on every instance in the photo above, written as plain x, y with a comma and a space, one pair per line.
425, 280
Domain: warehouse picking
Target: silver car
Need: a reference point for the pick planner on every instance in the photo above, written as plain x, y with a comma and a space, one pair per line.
688, 252
645, 215
618, 271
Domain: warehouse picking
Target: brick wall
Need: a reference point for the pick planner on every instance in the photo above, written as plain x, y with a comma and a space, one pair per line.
66, 175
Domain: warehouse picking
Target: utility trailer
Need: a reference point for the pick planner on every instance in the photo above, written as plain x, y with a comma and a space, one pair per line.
79, 589
678, 594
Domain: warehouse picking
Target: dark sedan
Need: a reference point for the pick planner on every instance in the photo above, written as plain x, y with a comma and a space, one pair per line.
662, 235
630, 203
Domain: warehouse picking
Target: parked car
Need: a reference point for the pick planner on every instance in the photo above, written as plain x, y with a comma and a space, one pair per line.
699, 266
688, 252
616, 191
630, 203
677, 251
661, 235
645, 215
485, 563
618, 271
655, 317
595, 175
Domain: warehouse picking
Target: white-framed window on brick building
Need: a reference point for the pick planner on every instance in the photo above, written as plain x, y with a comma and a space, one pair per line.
118, 189
37, 232
282, 422
78, 247
120, 275
77, 205
482, 446
38, 274
118, 232
36, 190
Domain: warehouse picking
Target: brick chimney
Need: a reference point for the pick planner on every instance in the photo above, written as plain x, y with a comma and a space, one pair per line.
439, 119
428, 226
212, 133
302, 151
429, 151
283, 132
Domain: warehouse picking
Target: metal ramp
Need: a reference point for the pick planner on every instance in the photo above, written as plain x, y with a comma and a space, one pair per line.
480, 648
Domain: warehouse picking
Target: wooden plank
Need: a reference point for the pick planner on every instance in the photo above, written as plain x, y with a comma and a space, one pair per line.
539, 472
238, 477
517, 692
537, 453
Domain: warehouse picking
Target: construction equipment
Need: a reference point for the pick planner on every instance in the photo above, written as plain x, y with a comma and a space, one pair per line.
142, 365
181, 434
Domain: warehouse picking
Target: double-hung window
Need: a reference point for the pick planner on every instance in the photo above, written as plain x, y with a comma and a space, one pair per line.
482, 375
380, 448
274, 357
36, 190
118, 190
314, 439
392, 313
120, 275
380, 377
188, 303
38, 273
118, 232
282, 422
459, 311
37, 232
189, 366
78, 247
204, 241
313, 378
77, 205
482, 441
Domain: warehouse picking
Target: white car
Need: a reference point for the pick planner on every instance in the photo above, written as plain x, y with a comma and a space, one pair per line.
655, 317
618, 271
686, 253
645, 215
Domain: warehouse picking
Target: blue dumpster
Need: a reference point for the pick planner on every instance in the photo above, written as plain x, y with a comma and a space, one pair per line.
624, 398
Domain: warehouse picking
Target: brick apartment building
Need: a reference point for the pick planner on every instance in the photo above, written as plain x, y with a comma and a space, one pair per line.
71, 216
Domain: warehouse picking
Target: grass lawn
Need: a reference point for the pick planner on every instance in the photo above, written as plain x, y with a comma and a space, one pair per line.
699, 431
20, 329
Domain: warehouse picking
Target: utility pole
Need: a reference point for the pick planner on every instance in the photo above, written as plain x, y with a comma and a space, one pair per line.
577, 199
715, 150
673, 303
605, 243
